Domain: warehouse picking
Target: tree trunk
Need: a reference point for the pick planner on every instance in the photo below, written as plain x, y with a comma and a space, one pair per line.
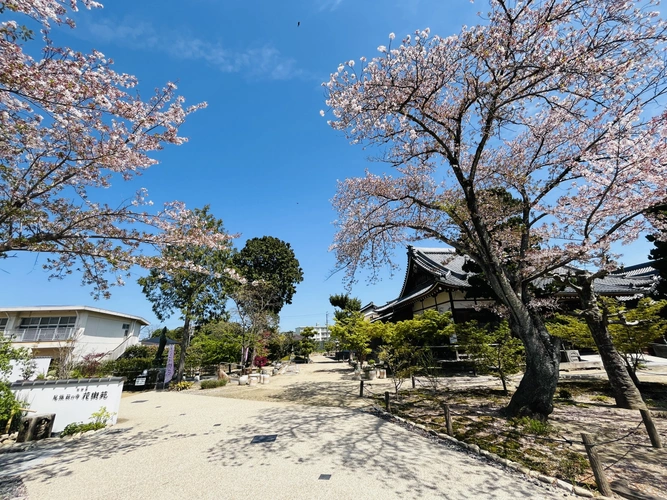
501, 372
185, 342
625, 391
632, 371
252, 357
534, 396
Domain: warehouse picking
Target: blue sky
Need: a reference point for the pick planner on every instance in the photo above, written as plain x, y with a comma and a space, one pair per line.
260, 155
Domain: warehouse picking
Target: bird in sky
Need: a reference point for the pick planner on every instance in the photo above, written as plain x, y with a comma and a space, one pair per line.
298, 23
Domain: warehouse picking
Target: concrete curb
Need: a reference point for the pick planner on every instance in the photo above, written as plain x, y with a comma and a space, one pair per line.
473, 448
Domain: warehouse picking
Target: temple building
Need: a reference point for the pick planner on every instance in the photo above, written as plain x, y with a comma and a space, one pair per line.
435, 279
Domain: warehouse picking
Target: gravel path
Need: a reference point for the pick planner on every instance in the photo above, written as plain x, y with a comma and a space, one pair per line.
183, 445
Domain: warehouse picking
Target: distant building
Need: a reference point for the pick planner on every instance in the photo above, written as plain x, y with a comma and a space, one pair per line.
47, 330
322, 334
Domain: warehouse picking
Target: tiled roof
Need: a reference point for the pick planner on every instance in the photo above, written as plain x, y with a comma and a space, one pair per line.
446, 267
413, 297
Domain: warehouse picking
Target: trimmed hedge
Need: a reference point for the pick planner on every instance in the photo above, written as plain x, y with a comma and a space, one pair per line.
212, 384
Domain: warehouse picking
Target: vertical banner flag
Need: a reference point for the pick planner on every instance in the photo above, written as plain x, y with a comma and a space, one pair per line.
169, 373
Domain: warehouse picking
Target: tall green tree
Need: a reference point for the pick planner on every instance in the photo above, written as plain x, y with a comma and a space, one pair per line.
307, 345
161, 346
273, 261
345, 305
280, 345
255, 305
197, 291
355, 333
219, 342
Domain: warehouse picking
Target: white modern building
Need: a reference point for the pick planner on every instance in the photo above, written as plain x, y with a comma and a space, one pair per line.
47, 330
322, 334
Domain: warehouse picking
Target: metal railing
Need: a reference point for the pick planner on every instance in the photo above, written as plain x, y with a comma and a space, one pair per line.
40, 334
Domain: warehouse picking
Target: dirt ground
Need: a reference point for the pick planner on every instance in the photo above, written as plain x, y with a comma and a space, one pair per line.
476, 402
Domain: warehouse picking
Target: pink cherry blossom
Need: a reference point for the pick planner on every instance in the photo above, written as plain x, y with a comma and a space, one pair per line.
70, 122
530, 142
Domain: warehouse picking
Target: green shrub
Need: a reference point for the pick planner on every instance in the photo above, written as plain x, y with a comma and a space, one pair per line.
212, 384
100, 419
91, 365
102, 416
76, 427
139, 351
8, 405
127, 367
181, 386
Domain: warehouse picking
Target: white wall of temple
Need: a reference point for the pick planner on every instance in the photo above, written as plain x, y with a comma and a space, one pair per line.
444, 301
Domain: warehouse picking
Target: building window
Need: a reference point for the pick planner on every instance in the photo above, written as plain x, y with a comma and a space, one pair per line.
51, 322
126, 329
3, 324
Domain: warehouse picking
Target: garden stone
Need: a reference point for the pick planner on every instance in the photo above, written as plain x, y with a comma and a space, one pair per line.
545, 479
563, 485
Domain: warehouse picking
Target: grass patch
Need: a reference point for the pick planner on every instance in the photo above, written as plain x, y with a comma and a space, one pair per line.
533, 426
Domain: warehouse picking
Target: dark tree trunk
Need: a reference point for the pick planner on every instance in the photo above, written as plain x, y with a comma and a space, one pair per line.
535, 394
185, 342
625, 391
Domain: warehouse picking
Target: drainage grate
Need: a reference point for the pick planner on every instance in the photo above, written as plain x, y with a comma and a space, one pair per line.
324, 477
264, 438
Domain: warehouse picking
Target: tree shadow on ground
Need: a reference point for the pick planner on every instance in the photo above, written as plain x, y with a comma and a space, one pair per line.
412, 466
335, 394
342, 370
96, 446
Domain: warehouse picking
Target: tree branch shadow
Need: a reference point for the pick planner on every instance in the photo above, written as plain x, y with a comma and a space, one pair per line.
305, 435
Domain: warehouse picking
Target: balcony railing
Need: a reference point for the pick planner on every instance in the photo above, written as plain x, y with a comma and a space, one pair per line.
40, 334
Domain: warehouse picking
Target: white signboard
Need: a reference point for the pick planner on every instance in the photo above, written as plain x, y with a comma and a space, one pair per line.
73, 400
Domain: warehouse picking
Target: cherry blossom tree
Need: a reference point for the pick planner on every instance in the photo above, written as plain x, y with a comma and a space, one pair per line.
198, 291
70, 126
555, 102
